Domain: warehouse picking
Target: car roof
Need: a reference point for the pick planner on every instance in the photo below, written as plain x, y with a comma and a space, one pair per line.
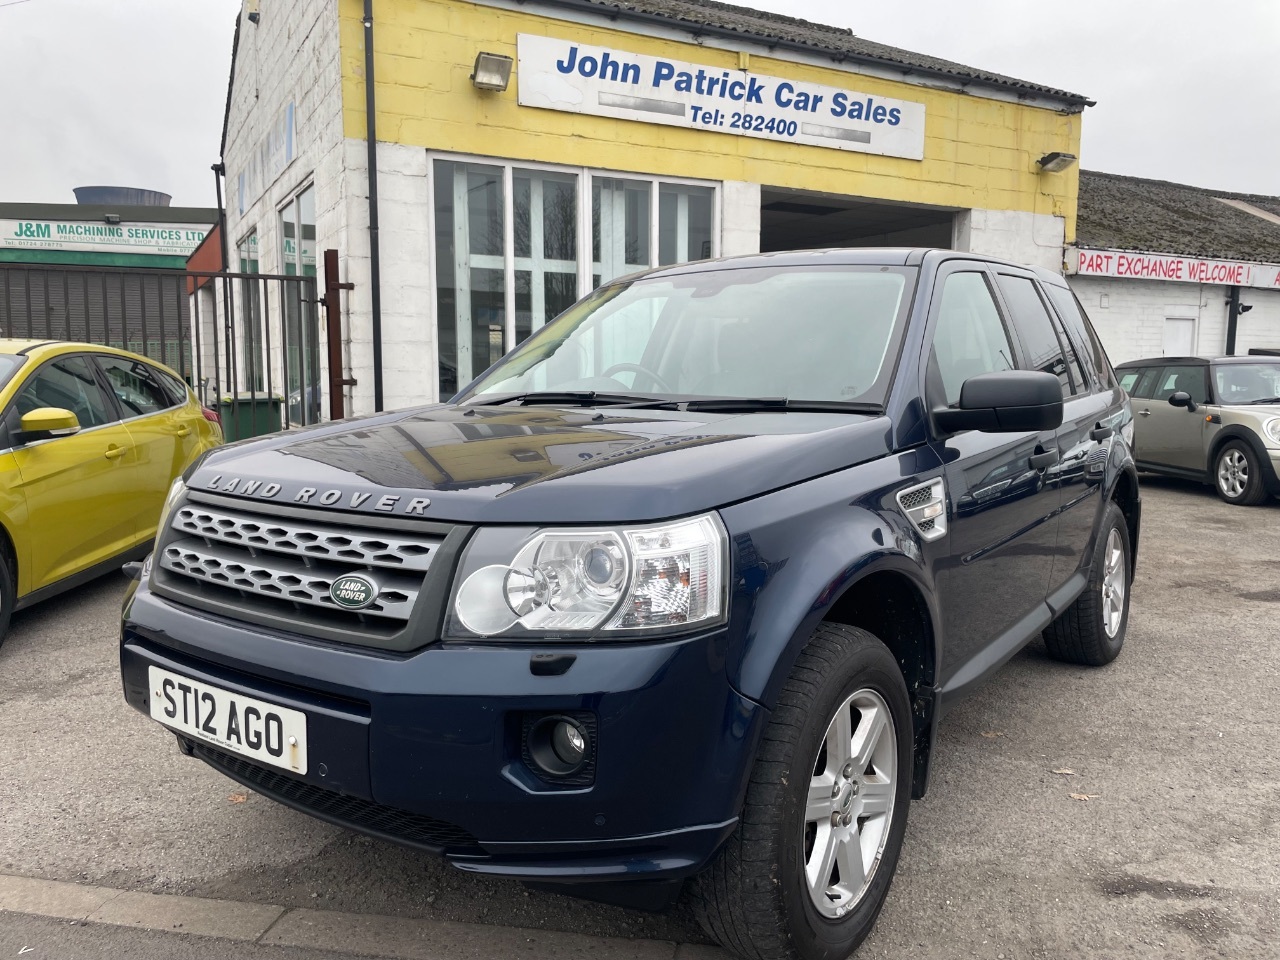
1192, 361
840, 256
15, 347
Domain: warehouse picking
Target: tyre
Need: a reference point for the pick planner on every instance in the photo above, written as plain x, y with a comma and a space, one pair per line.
1237, 476
1091, 631
809, 867
8, 596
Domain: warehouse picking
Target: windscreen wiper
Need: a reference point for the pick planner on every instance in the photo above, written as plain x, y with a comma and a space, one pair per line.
1267, 400
581, 398
780, 405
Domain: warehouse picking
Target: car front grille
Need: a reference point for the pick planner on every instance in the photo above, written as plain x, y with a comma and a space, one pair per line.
277, 570
354, 813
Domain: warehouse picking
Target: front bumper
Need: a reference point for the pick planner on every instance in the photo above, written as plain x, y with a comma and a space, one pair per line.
425, 749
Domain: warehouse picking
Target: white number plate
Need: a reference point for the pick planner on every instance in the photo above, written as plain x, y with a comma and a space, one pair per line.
230, 721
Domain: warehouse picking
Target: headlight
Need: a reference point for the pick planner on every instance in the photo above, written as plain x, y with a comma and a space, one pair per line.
574, 582
176, 490
1272, 429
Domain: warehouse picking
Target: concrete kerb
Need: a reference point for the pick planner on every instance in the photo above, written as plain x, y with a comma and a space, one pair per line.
370, 935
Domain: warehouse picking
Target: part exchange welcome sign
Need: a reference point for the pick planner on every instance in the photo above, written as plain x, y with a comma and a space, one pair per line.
565, 75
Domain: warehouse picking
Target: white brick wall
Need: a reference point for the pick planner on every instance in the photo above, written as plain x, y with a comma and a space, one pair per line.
1130, 315
265, 81
1030, 238
739, 218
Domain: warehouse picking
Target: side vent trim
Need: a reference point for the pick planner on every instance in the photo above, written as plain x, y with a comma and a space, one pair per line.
925, 506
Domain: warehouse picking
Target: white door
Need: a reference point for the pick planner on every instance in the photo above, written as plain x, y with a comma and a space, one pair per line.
1179, 337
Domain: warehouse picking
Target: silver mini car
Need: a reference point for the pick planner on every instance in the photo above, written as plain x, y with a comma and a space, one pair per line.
1215, 420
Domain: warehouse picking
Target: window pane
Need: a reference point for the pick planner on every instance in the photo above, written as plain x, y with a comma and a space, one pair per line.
1146, 383
1031, 320
251, 334
1128, 379
1189, 380
1077, 322
135, 386
470, 289
620, 226
684, 223
301, 323
68, 384
546, 246
969, 338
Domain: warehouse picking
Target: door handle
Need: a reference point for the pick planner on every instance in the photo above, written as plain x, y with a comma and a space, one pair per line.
1100, 433
114, 453
1043, 458
1144, 413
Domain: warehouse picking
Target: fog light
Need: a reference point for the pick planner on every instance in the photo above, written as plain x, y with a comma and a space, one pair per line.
568, 743
559, 746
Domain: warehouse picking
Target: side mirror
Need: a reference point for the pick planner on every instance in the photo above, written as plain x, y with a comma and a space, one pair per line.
46, 422
1183, 399
1012, 401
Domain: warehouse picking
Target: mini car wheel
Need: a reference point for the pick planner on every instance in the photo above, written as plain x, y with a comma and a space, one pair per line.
809, 867
1091, 631
1237, 476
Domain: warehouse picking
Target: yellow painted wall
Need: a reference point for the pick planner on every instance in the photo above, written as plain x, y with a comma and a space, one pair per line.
978, 153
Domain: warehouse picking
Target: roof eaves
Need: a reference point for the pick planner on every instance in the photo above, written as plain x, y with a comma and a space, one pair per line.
886, 58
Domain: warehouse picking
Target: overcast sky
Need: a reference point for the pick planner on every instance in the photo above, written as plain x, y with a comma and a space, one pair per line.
131, 92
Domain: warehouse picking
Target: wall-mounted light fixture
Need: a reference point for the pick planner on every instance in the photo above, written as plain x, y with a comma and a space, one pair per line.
492, 71
1055, 162
111, 218
251, 10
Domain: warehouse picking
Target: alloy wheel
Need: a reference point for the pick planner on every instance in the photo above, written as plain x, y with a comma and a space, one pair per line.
850, 803
1114, 581
1233, 473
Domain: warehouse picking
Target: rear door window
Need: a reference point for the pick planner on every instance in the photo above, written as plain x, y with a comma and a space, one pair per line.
1042, 348
1078, 324
136, 386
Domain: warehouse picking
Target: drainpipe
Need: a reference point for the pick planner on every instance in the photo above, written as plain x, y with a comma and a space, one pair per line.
371, 137
1233, 317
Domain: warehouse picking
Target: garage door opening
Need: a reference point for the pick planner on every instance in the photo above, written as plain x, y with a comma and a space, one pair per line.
797, 220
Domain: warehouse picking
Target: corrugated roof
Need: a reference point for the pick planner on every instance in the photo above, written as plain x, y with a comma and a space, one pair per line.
1128, 213
839, 42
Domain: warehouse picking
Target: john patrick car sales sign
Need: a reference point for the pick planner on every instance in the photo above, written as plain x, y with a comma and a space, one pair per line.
565, 75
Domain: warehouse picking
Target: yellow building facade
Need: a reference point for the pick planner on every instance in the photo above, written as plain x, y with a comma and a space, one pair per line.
529, 151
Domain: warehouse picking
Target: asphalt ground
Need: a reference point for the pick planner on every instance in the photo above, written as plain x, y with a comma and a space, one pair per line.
1176, 747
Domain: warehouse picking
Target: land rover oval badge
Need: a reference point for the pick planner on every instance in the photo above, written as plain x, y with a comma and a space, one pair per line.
353, 591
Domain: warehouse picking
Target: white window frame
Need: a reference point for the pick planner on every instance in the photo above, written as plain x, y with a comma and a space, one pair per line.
510, 263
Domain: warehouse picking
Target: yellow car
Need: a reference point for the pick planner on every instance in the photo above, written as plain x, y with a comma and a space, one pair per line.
93, 438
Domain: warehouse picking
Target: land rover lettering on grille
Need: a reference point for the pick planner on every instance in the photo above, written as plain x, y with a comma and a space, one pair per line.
334, 497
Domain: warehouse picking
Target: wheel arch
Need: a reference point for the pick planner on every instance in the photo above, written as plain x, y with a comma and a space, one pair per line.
889, 603
1124, 493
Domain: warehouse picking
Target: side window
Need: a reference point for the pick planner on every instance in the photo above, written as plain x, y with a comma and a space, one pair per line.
1128, 379
1187, 379
70, 384
135, 385
1077, 321
1146, 383
177, 390
969, 337
1035, 329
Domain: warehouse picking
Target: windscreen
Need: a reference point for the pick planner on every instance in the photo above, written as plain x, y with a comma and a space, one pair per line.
1248, 382
803, 333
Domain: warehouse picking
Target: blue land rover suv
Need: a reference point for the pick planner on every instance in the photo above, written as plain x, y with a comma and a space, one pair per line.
677, 592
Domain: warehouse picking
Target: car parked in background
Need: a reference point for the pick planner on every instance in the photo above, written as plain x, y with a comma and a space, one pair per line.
1214, 420
92, 439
